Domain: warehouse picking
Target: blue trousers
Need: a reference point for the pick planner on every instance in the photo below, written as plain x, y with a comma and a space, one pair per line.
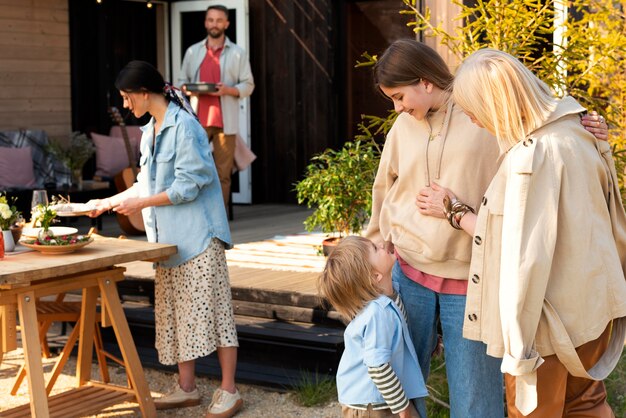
474, 378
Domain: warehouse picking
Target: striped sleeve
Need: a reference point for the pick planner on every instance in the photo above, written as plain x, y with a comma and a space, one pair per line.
389, 386
398, 300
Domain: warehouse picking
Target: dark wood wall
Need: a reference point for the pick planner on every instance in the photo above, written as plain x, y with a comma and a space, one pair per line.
294, 105
309, 96
103, 39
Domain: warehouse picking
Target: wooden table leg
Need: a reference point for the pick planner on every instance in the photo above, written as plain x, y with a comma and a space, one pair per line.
111, 299
8, 331
2, 333
85, 340
32, 355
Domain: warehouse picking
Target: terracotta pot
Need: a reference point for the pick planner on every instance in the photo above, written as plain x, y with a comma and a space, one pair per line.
16, 231
329, 244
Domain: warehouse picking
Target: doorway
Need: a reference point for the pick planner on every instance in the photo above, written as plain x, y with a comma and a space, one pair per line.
187, 23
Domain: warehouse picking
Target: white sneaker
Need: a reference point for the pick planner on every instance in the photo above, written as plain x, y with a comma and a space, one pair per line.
178, 398
224, 404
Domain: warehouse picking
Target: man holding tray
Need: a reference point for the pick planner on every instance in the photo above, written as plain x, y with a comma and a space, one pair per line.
220, 71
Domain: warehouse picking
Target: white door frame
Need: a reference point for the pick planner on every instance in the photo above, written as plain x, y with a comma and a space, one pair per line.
241, 10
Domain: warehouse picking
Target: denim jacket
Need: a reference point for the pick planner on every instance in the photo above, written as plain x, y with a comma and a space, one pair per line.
377, 335
182, 166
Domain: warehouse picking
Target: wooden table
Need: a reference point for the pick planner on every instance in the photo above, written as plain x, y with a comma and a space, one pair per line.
27, 276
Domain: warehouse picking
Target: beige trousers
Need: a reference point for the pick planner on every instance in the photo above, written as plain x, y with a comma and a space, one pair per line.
348, 412
224, 157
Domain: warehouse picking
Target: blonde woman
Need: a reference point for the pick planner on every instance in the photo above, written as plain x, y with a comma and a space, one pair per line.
378, 375
546, 292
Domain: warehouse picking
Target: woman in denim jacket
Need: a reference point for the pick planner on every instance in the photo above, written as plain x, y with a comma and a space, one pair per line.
179, 195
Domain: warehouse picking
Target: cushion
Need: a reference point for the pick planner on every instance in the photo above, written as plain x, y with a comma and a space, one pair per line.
16, 168
47, 168
111, 155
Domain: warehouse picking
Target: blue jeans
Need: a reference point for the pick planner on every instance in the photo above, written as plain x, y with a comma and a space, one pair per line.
474, 379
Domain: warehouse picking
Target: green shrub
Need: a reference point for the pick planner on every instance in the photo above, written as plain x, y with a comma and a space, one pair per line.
338, 184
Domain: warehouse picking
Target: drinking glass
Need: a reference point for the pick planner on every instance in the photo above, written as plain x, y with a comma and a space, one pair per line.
39, 197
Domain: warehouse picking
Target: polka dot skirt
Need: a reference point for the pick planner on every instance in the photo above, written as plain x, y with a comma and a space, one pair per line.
193, 307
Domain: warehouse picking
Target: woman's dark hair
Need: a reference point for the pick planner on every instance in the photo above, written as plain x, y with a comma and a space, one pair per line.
139, 76
407, 62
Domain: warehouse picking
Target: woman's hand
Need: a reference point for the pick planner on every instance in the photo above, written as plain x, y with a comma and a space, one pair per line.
429, 200
100, 205
130, 206
596, 124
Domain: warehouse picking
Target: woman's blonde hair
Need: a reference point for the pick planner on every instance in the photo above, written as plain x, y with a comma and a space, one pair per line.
347, 281
503, 95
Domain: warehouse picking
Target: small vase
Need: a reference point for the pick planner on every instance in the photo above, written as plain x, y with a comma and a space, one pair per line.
16, 231
9, 244
77, 178
43, 234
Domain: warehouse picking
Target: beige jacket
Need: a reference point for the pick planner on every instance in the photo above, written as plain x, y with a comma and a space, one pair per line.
549, 251
462, 158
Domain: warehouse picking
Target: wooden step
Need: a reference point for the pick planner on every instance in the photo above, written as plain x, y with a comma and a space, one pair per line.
271, 352
260, 373
138, 289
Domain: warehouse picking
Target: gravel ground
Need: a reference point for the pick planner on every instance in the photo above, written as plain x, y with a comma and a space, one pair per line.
258, 402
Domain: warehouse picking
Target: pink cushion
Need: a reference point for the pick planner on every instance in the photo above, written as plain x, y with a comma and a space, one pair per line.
16, 167
111, 155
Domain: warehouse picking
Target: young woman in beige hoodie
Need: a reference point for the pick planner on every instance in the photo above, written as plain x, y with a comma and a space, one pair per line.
547, 292
434, 143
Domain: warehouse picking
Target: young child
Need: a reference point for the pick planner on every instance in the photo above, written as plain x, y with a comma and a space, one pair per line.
378, 371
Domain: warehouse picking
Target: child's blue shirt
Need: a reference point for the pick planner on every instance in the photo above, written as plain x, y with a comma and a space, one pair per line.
378, 334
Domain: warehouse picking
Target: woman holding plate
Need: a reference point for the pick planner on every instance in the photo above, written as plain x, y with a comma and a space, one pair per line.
179, 195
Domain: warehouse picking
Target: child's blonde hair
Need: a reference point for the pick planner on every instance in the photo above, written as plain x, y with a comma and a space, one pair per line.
347, 281
503, 95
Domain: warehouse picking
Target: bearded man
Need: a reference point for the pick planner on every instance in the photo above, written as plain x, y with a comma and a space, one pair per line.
216, 60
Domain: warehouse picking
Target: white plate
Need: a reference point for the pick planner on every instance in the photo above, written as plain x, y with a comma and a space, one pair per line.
56, 230
72, 209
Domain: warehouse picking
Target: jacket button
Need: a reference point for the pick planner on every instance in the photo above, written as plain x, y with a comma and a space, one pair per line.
478, 240
484, 200
472, 317
475, 278
530, 140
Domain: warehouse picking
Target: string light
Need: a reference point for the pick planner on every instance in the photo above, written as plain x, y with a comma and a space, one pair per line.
149, 4
99, 1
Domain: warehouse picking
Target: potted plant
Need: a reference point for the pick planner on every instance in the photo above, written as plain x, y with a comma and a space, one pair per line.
338, 183
74, 155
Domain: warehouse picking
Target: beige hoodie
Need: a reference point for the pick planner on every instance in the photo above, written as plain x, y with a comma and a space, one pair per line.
463, 158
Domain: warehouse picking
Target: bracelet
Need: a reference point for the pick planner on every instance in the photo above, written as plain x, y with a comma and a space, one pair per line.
455, 210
